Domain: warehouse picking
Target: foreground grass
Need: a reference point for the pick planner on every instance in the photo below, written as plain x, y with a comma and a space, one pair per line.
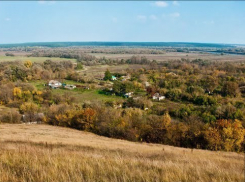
48, 153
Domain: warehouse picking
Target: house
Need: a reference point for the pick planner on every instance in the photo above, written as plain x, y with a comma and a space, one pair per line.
128, 94
158, 97
70, 87
54, 84
113, 78
124, 78
147, 84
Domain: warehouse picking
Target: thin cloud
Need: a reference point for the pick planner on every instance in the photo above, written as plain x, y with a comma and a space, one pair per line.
161, 4
7, 19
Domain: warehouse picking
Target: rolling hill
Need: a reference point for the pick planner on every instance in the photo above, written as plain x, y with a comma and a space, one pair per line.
49, 153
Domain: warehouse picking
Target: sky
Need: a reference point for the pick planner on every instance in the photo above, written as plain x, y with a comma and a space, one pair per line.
126, 21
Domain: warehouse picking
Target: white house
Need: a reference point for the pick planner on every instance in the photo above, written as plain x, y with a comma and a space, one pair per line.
147, 84
129, 94
54, 84
158, 97
124, 78
113, 78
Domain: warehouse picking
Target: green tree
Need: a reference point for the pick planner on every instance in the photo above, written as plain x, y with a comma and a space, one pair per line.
107, 75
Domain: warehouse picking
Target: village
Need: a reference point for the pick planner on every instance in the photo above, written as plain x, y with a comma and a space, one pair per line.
106, 84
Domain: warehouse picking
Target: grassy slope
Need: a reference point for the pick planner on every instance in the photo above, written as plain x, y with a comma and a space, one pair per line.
49, 153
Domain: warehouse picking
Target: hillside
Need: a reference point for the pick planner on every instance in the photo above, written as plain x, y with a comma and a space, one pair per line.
49, 153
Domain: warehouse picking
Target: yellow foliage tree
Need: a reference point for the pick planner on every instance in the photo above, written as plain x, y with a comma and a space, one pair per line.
225, 135
166, 120
28, 64
26, 95
17, 92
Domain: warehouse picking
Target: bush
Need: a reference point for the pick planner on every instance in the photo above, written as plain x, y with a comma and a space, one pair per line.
11, 116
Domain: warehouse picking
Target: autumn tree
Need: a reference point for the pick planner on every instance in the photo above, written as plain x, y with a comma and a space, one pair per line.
17, 92
225, 135
28, 64
210, 83
30, 110
231, 89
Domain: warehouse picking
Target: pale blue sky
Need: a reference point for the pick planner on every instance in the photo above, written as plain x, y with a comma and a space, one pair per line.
145, 21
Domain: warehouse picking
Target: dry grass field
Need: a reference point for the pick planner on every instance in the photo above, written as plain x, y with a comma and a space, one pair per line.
100, 69
48, 153
168, 56
33, 59
175, 55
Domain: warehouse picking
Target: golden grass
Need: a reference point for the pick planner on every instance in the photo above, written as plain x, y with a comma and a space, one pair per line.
49, 153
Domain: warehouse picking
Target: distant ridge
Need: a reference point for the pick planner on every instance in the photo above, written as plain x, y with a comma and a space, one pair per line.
117, 44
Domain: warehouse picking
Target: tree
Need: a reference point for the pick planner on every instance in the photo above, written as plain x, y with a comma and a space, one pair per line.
166, 120
9, 54
17, 92
210, 83
30, 110
107, 75
79, 66
225, 135
174, 94
11, 116
231, 89
28, 64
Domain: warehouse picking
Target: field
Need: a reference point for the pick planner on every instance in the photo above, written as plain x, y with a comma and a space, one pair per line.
175, 55
99, 70
88, 95
49, 153
33, 59
159, 57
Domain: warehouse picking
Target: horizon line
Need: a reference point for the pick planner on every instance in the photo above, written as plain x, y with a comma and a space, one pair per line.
122, 42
